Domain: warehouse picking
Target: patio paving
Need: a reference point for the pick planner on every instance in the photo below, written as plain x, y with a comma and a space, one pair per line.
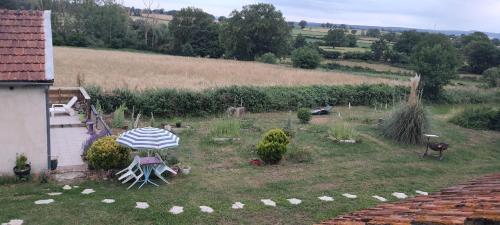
65, 121
66, 144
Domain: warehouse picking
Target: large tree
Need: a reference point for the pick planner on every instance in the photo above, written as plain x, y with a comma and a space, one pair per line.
337, 38
436, 60
255, 30
481, 55
302, 24
407, 41
195, 30
379, 49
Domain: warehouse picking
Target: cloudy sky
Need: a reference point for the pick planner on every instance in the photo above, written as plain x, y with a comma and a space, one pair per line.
482, 15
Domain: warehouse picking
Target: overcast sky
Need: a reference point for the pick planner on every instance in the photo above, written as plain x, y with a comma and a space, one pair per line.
482, 15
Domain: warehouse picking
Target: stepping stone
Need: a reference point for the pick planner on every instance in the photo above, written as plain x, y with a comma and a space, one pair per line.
326, 198
206, 209
108, 201
141, 205
14, 222
347, 195
268, 202
54, 193
294, 201
176, 210
399, 195
237, 205
67, 187
88, 191
382, 199
44, 201
421, 192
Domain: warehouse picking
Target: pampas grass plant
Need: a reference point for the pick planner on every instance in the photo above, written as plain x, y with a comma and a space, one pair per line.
407, 123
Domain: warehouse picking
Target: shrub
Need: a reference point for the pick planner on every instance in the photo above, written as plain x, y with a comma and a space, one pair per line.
172, 102
342, 131
306, 58
226, 128
491, 77
269, 58
304, 115
407, 123
330, 54
273, 146
481, 118
21, 161
119, 117
107, 154
358, 55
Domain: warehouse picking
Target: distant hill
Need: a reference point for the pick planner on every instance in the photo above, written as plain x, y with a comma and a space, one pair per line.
401, 29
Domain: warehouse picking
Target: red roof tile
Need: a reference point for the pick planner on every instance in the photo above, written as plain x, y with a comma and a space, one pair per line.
477, 200
22, 46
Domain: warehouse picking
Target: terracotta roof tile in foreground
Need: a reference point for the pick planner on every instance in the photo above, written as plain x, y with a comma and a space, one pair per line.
477, 200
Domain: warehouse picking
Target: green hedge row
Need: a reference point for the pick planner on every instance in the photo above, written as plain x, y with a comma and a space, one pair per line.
173, 102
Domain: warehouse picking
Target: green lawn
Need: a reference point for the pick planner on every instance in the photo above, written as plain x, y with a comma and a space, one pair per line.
221, 175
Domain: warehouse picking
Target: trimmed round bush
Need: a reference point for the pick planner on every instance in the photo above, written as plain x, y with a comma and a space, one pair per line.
273, 146
304, 115
106, 154
306, 58
269, 58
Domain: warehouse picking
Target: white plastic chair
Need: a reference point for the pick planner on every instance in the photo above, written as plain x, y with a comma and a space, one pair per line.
161, 168
131, 172
64, 108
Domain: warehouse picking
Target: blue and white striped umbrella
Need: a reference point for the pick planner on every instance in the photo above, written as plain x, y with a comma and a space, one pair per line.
148, 138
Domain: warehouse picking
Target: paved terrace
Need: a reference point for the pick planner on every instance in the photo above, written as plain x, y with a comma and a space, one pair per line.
67, 134
474, 202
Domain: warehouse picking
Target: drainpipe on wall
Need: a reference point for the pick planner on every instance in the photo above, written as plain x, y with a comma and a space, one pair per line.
47, 115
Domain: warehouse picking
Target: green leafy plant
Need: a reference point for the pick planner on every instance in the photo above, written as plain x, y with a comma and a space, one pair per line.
306, 58
481, 118
304, 115
21, 161
269, 58
343, 131
226, 128
178, 123
119, 117
491, 77
273, 146
106, 154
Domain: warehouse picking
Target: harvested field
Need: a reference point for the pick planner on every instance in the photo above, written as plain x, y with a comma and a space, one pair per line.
119, 69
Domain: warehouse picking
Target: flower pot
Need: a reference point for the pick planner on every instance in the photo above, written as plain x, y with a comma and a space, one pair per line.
53, 164
22, 172
186, 170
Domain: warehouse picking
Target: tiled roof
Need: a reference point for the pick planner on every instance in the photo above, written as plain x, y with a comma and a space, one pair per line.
22, 46
472, 202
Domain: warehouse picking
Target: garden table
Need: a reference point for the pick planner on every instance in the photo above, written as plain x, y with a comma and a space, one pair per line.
148, 164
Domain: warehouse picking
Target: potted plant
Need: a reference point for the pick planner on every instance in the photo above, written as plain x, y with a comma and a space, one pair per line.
178, 123
22, 168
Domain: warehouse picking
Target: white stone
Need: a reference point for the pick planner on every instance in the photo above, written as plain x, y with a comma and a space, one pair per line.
88, 191
206, 209
141, 205
176, 210
399, 195
108, 201
268, 202
382, 199
347, 195
294, 201
54, 193
44, 201
237, 205
76, 186
421, 192
326, 198
67, 187
14, 222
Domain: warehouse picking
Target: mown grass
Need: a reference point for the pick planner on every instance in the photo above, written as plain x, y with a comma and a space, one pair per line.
222, 175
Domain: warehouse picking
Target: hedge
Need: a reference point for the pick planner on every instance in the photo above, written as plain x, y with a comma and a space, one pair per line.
174, 102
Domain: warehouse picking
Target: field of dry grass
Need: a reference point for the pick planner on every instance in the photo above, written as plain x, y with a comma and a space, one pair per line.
119, 69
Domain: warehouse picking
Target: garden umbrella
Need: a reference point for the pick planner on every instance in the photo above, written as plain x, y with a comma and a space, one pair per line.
148, 138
